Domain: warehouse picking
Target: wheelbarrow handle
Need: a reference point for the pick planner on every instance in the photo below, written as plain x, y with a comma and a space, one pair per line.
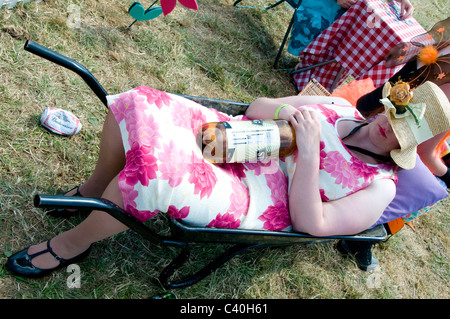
70, 64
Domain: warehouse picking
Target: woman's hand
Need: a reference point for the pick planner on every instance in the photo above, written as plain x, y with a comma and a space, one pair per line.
346, 3
307, 133
406, 9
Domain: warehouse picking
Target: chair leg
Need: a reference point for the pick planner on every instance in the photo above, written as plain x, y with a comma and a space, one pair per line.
286, 35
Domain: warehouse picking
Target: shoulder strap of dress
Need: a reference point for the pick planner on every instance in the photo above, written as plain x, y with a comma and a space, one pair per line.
378, 157
355, 129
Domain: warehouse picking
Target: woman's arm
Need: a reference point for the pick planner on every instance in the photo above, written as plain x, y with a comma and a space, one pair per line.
430, 156
346, 216
265, 108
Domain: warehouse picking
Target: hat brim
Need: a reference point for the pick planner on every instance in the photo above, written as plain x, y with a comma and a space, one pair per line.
405, 158
437, 117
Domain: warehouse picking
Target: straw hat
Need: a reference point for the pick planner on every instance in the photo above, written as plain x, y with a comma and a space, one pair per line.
426, 114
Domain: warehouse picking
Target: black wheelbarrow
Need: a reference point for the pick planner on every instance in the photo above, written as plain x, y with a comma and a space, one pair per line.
183, 236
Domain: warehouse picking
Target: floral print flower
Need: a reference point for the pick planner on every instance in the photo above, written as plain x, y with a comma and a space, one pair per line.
363, 170
188, 117
323, 154
278, 183
323, 197
202, 176
226, 220
269, 166
330, 115
172, 164
340, 169
176, 213
127, 104
145, 130
239, 199
159, 98
141, 215
221, 117
129, 194
276, 217
233, 169
140, 165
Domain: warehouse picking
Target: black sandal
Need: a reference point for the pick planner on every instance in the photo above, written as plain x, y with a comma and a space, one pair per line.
67, 213
20, 263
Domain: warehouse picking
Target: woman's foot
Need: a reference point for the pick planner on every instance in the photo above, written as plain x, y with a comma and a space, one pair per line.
66, 213
42, 259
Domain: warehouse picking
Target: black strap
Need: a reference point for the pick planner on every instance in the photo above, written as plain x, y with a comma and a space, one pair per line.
378, 157
355, 129
48, 250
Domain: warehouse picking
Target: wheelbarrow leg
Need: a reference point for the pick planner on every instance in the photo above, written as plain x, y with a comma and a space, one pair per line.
205, 271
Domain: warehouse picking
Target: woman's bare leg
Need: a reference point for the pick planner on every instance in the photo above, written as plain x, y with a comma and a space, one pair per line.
110, 162
102, 183
97, 226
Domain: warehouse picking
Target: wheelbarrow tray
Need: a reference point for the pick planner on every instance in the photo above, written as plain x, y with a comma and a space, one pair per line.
182, 235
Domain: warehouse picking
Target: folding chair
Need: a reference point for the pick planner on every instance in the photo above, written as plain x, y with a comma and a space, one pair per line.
183, 236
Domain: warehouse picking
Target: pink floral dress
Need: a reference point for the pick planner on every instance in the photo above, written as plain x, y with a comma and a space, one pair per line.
165, 170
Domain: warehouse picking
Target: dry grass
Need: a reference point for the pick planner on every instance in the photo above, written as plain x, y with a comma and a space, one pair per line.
218, 52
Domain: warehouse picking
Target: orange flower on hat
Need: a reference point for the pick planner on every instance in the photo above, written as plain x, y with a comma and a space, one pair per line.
400, 93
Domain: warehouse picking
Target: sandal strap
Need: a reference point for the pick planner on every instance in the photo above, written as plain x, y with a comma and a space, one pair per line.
48, 250
77, 193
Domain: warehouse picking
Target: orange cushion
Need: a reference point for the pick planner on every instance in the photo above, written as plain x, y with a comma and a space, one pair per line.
354, 90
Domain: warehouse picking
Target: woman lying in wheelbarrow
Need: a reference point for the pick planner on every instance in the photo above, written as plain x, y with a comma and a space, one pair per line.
149, 162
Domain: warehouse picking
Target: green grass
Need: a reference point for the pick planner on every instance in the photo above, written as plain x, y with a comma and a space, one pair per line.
219, 52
